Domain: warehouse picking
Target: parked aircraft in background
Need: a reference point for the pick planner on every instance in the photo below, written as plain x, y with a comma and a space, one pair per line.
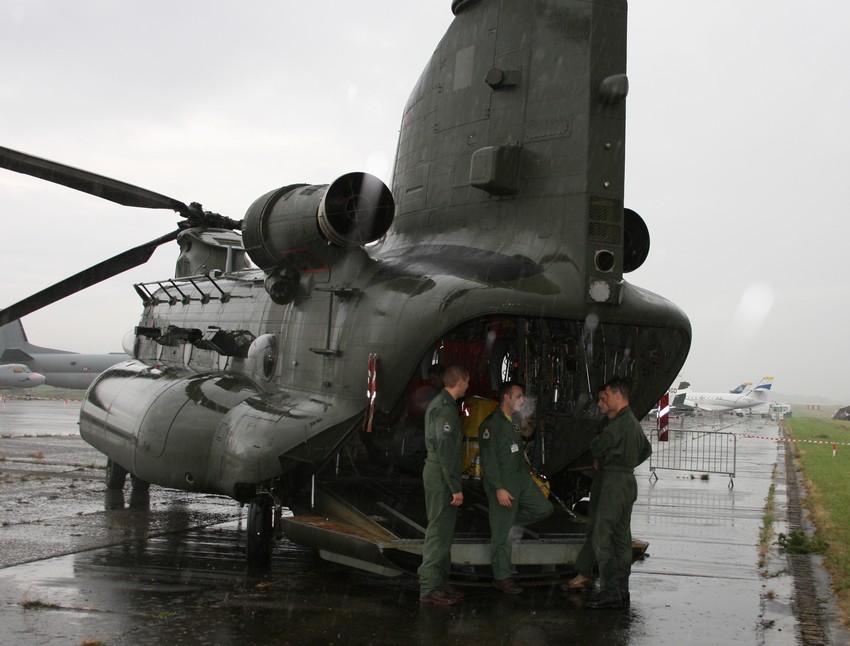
742, 388
747, 398
59, 368
17, 375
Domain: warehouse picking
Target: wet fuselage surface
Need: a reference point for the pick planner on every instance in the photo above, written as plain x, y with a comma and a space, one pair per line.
82, 563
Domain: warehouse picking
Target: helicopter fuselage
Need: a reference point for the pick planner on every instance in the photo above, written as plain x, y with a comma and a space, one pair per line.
502, 247
186, 414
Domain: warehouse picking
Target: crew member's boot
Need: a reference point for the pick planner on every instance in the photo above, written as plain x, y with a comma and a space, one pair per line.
624, 591
609, 598
578, 583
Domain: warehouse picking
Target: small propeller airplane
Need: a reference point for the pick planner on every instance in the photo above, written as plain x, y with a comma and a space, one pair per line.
274, 367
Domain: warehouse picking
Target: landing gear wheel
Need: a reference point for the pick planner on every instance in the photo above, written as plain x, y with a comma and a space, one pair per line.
260, 532
116, 475
278, 525
138, 484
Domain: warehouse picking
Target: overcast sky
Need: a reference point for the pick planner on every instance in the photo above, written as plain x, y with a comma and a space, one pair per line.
736, 155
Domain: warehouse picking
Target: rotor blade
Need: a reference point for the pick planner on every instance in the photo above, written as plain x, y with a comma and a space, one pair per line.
91, 183
86, 278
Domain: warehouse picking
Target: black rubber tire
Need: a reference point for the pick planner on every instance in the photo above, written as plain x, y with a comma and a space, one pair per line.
116, 475
259, 541
138, 484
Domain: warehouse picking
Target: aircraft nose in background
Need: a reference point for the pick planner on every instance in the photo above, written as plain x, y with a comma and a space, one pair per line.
36, 379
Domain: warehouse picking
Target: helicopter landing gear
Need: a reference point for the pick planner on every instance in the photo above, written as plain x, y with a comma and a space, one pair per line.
260, 533
138, 484
116, 475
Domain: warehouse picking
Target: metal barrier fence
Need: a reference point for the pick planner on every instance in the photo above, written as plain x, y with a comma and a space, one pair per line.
694, 450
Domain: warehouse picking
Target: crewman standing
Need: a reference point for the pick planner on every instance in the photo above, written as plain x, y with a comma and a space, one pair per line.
443, 494
586, 559
513, 497
620, 448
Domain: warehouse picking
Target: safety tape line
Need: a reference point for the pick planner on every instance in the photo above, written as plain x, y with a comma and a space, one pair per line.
791, 439
22, 398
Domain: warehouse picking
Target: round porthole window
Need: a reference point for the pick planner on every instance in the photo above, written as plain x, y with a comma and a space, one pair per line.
604, 260
262, 355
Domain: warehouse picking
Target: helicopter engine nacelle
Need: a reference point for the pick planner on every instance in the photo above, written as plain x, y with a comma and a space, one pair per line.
284, 230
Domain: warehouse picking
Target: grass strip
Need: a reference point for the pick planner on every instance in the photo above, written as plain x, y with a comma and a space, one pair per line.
827, 479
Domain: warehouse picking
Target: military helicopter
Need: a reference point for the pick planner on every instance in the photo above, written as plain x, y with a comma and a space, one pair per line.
277, 366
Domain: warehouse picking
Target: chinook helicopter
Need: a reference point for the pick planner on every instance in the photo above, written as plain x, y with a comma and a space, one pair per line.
278, 365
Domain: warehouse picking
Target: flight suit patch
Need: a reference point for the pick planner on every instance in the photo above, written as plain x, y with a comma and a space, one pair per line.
447, 428
485, 434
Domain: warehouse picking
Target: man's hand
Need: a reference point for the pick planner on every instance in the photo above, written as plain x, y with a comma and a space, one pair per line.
457, 499
596, 464
504, 497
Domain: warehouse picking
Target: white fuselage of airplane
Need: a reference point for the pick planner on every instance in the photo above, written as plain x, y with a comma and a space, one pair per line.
721, 401
741, 397
17, 375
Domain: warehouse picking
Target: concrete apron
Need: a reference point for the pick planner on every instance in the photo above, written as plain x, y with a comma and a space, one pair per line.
152, 580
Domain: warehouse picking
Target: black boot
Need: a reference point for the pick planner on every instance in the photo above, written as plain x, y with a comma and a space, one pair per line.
623, 584
608, 598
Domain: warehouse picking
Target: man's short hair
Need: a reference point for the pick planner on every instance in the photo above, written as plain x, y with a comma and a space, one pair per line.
506, 386
453, 375
622, 385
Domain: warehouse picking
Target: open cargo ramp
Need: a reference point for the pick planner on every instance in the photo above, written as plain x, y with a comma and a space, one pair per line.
378, 524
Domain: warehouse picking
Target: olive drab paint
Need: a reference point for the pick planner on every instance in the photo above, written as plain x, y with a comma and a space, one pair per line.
501, 245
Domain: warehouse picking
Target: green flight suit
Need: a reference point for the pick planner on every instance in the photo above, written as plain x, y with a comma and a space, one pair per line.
504, 467
586, 559
620, 448
441, 479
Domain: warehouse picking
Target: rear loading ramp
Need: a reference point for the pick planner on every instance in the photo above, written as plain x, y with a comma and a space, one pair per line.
378, 524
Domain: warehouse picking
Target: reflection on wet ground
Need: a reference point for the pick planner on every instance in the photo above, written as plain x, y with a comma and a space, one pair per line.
192, 588
171, 569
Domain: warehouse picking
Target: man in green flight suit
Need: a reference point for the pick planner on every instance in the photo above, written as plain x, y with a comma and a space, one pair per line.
513, 497
620, 448
586, 559
443, 494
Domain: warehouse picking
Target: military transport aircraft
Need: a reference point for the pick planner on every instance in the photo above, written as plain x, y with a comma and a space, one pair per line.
61, 368
17, 375
275, 366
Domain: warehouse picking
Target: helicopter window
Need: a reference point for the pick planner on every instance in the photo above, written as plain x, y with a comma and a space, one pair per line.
262, 355
509, 366
506, 368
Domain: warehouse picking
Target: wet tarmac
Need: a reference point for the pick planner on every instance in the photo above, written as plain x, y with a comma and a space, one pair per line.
20, 416
78, 563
